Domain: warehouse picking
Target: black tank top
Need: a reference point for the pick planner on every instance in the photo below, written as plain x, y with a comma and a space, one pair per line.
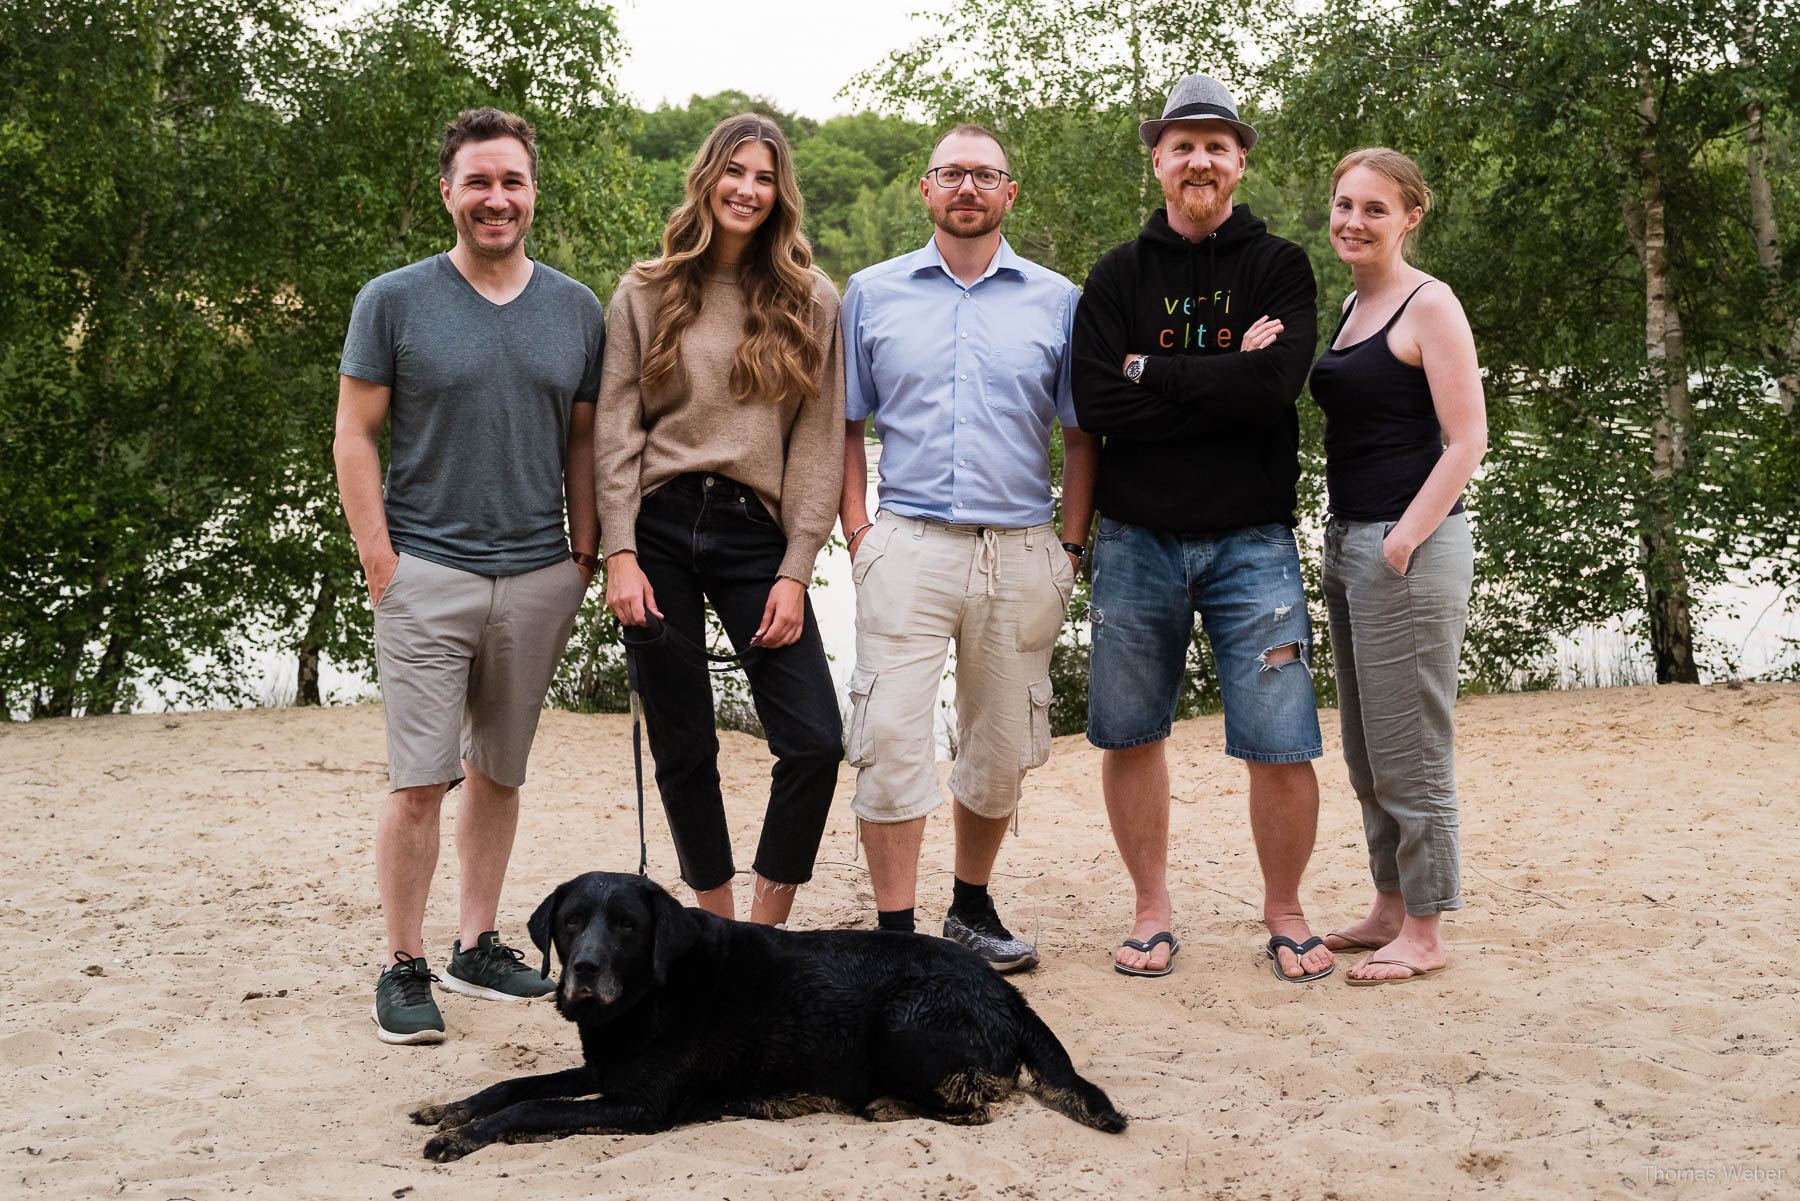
1381, 431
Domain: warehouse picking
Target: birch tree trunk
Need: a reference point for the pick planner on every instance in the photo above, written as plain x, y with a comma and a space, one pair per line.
1783, 349
1659, 548
1137, 103
312, 644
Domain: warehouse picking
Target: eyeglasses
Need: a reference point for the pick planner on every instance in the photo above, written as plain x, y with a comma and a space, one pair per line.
951, 178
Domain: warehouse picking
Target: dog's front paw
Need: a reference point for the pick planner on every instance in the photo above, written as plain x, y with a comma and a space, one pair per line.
442, 1116
452, 1145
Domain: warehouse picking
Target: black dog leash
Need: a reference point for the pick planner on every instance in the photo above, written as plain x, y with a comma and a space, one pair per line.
637, 754
685, 647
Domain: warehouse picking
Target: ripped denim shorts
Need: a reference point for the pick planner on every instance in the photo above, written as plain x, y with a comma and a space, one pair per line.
1245, 584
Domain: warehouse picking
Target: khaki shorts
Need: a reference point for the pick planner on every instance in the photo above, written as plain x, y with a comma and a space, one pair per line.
1001, 595
465, 661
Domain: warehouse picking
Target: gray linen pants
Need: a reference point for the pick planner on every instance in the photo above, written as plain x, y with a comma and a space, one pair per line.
1396, 640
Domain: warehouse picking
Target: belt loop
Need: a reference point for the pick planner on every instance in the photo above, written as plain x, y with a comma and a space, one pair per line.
918, 529
1030, 544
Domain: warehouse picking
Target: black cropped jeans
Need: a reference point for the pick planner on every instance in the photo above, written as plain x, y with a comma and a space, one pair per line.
702, 538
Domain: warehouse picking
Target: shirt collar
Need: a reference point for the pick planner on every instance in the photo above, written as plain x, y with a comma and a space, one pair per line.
930, 257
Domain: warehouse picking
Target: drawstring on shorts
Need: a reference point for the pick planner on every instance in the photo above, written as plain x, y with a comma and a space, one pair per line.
987, 559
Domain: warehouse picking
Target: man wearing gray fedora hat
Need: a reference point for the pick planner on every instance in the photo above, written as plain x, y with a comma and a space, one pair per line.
1190, 345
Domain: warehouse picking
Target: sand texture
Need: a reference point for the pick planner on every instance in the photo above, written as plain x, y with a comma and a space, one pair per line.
193, 936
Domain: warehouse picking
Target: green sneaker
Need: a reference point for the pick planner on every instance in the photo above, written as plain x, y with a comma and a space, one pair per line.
404, 1012
494, 971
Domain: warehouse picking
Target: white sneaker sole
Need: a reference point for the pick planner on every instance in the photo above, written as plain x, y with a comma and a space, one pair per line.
1017, 965
475, 990
402, 1040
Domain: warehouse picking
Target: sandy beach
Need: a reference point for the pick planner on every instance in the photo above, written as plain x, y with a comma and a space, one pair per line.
191, 904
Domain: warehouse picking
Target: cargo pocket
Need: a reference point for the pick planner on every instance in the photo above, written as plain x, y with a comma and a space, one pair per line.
1037, 735
859, 748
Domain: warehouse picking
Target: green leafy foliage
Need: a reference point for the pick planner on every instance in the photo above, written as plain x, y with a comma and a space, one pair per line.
139, 289
1525, 119
856, 173
176, 295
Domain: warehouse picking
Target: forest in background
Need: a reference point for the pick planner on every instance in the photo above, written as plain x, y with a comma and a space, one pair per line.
203, 186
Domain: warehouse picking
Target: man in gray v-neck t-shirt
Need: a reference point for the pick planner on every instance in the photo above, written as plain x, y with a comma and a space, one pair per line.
482, 394
487, 366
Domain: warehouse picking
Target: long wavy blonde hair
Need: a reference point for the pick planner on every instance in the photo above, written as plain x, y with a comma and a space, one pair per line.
778, 355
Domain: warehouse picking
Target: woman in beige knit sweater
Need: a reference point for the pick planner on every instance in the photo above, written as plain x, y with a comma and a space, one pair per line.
719, 459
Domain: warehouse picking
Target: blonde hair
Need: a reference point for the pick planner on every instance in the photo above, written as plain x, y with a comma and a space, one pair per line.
778, 355
1398, 170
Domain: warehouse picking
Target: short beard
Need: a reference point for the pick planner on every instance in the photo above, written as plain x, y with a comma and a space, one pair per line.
982, 230
470, 231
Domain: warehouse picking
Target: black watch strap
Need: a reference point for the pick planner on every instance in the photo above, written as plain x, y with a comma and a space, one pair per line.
1076, 549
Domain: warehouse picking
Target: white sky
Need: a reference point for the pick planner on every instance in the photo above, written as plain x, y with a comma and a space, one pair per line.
799, 53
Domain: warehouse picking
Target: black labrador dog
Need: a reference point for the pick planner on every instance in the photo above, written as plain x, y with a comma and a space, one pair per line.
687, 1017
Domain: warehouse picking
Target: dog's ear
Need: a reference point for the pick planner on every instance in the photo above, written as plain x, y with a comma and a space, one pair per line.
543, 920
676, 931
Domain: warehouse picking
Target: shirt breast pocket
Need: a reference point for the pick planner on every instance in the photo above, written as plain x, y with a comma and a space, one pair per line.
1021, 378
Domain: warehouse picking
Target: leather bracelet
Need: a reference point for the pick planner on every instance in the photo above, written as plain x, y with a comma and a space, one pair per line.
867, 525
583, 559
1076, 549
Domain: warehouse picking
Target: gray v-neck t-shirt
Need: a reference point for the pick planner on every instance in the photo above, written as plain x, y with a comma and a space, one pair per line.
480, 407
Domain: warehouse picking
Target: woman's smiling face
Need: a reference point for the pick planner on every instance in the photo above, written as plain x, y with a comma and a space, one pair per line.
745, 195
1368, 220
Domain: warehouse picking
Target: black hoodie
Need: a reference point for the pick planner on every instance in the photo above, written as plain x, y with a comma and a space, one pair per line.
1207, 440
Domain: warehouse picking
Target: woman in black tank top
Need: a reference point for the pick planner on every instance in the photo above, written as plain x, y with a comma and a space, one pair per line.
1405, 427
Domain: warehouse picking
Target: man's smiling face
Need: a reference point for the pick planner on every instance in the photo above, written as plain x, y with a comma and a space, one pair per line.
491, 196
1199, 164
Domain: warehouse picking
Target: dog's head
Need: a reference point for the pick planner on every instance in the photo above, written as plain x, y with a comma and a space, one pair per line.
616, 935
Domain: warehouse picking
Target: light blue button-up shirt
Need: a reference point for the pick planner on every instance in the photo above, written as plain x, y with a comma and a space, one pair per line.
964, 383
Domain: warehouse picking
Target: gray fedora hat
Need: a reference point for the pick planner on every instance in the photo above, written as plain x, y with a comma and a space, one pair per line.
1198, 98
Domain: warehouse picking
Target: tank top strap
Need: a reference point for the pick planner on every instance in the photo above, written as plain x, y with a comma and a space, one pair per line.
1343, 316
1403, 304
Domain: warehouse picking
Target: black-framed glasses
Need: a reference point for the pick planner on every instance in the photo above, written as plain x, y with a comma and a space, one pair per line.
951, 178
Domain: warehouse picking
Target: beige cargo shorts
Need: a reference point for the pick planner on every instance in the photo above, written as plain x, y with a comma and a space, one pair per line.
1000, 595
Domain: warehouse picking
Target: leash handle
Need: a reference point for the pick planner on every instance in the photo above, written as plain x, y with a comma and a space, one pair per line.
682, 645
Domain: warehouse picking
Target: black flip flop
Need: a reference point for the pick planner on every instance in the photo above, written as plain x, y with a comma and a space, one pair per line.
1299, 949
1146, 946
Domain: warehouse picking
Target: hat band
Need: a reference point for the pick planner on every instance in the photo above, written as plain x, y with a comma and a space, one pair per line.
1201, 109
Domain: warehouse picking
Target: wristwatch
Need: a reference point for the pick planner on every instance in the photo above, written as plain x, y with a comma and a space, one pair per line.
1076, 549
1134, 369
583, 559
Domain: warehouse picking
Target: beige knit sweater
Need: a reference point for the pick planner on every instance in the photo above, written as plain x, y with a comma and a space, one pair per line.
791, 454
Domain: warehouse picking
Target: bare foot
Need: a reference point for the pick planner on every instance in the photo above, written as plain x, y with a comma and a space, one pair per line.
1409, 948
1291, 923
1157, 957
1385, 920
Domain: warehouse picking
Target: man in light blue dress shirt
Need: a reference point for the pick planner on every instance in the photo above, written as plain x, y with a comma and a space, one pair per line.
960, 352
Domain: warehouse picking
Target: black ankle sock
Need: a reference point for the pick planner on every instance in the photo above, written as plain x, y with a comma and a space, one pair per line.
895, 919
969, 898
